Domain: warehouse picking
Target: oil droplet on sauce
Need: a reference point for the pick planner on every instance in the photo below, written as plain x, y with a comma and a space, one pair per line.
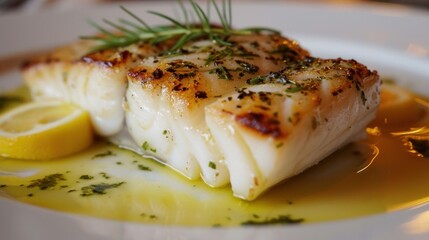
376, 175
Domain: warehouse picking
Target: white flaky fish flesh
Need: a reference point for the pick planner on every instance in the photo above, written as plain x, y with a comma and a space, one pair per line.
96, 81
250, 114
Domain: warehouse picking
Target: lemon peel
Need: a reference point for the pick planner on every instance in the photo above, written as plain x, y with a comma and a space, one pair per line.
44, 130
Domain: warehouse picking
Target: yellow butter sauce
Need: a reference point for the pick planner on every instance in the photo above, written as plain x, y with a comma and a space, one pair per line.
376, 175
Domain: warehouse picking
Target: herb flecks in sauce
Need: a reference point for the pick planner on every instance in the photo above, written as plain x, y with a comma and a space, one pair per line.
103, 154
282, 219
98, 189
86, 177
49, 181
144, 168
104, 175
146, 146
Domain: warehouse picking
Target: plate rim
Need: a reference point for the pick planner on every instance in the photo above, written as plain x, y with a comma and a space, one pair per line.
395, 220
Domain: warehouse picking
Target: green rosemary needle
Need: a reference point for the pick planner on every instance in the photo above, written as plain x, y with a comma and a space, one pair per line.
128, 32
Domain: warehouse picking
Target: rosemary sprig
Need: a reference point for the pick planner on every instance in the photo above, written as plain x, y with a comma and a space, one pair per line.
127, 32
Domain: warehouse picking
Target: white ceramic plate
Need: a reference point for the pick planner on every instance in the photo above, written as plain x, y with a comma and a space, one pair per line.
390, 38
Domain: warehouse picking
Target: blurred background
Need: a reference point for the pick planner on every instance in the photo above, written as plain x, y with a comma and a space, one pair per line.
34, 5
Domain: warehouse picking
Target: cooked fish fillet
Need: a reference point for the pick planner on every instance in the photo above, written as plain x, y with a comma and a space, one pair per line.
167, 96
291, 120
251, 114
95, 81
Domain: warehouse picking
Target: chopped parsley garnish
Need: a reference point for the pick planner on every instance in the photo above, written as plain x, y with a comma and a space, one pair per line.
104, 154
247, 67
222, 72
104, 175
86, 177
212, 165
256, 80
98, 189
47, 182
151, 216
282, 219
294, 89
147, 147
144, 168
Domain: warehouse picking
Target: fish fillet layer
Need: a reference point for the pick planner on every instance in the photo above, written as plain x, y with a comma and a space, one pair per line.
96, 81
250, 115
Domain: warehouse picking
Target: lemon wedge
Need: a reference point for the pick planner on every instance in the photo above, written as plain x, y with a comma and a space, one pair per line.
44, 130
397, 105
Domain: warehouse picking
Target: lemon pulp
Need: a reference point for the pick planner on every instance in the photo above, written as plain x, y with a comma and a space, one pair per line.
44, 130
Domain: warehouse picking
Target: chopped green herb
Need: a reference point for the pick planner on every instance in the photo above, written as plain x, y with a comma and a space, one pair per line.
99, 189
256, 80
229, 51
47, 182
147, 147
219, 55
222, 72
279, 145
282, 219
144, 168
152, 216
104, 175
212, 165
3, 185
30, 195
86, 177
294, 89
104, 154
248, 67
118, 163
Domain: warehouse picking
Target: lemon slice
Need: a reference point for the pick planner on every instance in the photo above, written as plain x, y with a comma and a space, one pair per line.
44, 130
397, 105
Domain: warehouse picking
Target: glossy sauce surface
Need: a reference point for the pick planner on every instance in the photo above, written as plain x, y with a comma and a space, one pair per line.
375, 175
